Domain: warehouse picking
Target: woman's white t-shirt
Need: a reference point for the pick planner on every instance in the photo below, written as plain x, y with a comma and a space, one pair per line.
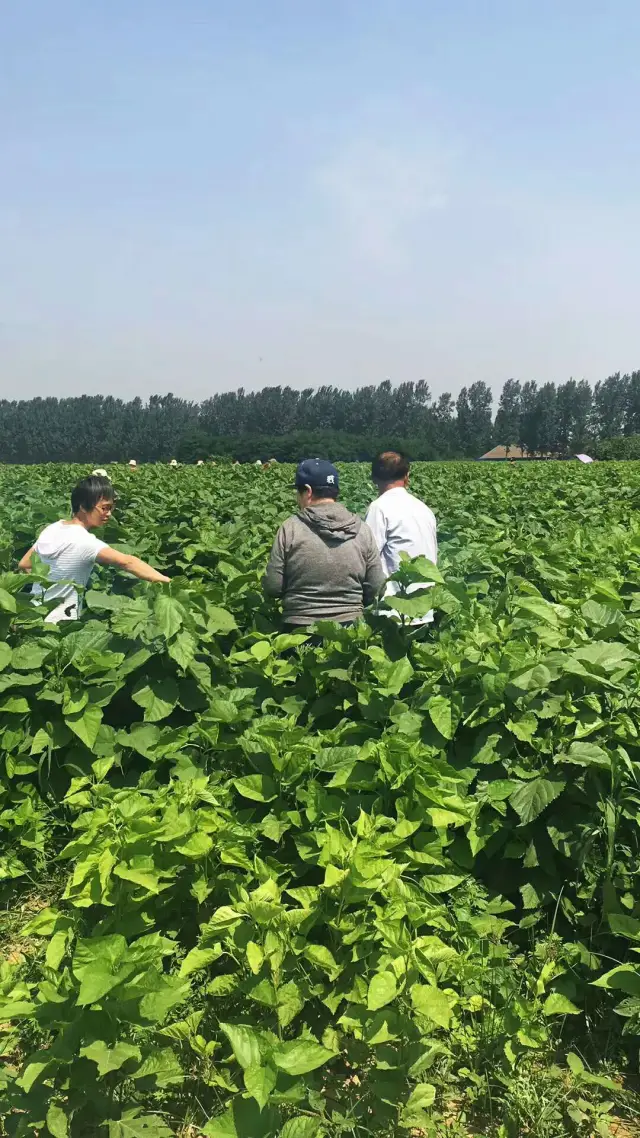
70, 552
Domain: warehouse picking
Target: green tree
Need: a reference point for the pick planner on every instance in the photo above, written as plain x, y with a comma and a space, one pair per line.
507, 424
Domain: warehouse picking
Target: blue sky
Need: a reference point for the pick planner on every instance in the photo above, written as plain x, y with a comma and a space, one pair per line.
204, 194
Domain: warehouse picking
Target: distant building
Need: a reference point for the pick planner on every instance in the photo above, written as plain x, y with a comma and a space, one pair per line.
506, 454
516, 454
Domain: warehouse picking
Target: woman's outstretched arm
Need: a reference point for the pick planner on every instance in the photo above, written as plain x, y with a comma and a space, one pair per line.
129, 564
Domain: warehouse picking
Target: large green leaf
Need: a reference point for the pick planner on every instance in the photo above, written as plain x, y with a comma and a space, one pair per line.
382, 990
133, 1124
110, 1058
245, 1043
169, 615
157, 696
301, 1127
258, 787
259, 1083
433, 1003
531, 798
57, 1121
86, 724
300, 1056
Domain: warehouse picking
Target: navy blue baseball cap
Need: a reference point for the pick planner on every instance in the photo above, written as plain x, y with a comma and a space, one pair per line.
318, 474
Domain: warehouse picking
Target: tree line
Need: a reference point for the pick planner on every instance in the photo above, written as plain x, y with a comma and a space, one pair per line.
283, 423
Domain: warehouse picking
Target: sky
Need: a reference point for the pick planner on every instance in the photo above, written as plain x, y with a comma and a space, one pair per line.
197, 195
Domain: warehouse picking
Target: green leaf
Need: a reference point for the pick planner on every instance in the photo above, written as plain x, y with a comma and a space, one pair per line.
57, 1122
441, 882
223, 985
243, 1119
624, 978
158, 697
245, 1043
28, 657
575, 1064
382, 990
134, 1124
605, 657
323, 958
220, 620
558, 1005
536, 607
7, 602
301, 1127
301, 1056
432, 1003
199, 958
169, 615
255, 957
259, 1083
586, 755
161, 1064
183, 649
531, 798
32, 1072
440, 713
290, 1002
109, 1059
14, 705
421, 1098
258, 787
622, 925
86, 724
96, 983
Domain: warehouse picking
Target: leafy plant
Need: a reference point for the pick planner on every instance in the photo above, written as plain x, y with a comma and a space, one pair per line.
383, 882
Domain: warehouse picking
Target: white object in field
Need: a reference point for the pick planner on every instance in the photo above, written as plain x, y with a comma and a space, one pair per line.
584, 458
257, 462
174, 462
99, 473
132, 462
200, 462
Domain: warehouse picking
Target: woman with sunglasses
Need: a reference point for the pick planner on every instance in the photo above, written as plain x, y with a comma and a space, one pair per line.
70, 550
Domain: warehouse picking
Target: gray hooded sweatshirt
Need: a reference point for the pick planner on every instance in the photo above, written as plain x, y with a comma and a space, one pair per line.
325, 565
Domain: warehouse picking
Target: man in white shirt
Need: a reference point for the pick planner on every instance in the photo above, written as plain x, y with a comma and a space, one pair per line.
400, 521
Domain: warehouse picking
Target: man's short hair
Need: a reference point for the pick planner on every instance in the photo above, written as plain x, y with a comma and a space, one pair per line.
390, 466
326, 492
90, 491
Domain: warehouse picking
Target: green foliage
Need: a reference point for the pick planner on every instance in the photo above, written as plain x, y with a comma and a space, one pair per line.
268, 887
350, 426
624, 447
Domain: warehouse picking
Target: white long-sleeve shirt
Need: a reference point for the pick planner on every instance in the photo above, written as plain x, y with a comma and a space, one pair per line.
402, 523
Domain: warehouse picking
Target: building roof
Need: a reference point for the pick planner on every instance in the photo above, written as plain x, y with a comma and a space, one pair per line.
501, 452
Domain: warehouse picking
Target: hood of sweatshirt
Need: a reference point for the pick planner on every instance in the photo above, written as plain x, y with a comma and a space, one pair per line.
331, 521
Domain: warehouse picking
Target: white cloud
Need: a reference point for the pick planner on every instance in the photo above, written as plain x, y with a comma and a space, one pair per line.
379, 195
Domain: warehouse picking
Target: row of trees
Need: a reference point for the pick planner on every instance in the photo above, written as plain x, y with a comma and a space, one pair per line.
541, 419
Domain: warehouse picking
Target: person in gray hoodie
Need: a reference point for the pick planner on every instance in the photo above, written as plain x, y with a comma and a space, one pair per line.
324, 562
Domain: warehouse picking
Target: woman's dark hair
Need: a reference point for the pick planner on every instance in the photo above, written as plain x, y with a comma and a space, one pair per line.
390, 466
90, 491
